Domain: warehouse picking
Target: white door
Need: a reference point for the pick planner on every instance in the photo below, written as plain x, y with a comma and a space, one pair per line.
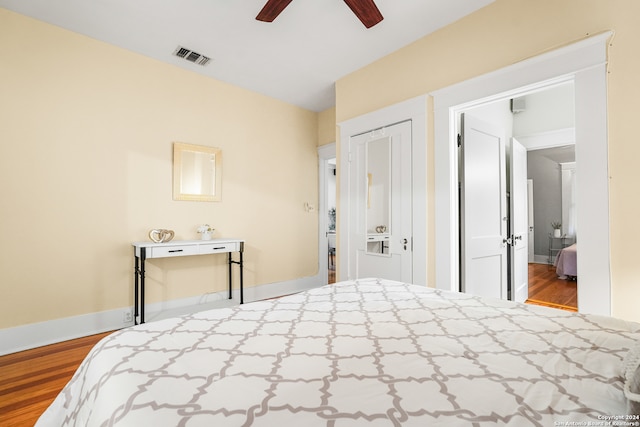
483, 207
380, 187
519, 223
532, 253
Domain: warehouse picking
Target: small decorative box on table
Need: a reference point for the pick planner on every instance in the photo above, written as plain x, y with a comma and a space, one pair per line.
146, 250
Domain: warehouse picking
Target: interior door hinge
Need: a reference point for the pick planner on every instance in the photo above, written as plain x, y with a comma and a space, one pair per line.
459, 140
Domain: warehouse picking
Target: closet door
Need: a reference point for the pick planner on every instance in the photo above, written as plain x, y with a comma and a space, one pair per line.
380, 194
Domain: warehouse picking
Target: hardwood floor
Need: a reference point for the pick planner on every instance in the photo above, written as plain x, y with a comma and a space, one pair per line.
31, 379
332, 277
332, 268
546, 289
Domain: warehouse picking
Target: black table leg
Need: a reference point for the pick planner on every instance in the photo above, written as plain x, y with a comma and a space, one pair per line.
143, 257
240, 263
136, 270
241, 279
230, 277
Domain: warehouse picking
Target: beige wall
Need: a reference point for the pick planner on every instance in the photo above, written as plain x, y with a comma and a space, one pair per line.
506, 32
327, 126
86, 134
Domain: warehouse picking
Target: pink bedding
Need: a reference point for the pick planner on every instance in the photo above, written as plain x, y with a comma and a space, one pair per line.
566, 264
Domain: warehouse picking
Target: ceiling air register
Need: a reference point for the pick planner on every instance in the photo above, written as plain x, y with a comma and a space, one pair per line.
191, 56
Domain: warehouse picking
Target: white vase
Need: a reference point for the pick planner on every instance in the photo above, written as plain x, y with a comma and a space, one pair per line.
556, 232
207, 235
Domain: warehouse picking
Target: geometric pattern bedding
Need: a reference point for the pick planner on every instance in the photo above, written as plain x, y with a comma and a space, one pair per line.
367, 352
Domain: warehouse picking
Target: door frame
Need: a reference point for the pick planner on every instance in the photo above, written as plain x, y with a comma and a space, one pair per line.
325, 153
584, 63
415, 110
530, 226
518, 267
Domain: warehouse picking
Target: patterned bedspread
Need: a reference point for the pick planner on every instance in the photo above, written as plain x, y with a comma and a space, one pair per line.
371, 352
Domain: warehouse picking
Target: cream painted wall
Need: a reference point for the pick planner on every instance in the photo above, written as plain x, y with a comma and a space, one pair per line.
327, 126
504, 33
86, 134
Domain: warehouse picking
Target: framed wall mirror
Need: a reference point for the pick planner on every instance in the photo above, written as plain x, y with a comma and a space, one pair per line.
197, 173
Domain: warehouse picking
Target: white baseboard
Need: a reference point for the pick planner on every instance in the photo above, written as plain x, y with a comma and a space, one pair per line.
541, 259
53, 331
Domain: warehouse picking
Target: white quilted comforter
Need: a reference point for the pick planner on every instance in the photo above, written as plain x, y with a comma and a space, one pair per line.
371, 352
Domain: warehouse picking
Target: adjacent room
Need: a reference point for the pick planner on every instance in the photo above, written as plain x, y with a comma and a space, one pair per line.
542, 124
347, 212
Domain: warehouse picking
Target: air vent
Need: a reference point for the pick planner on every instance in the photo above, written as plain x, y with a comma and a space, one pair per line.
518, 105
191, 56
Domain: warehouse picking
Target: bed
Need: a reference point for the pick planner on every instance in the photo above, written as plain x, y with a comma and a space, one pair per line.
369, 352
566, 262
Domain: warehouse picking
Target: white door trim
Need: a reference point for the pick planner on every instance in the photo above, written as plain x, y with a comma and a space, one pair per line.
325, 153
583, 62
414, 109
519, 221
530, 227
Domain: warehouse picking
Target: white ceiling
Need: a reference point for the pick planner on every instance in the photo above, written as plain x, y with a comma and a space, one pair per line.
296, 59
564, 154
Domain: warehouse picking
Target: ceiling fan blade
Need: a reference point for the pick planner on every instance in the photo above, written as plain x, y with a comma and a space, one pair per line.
366, 11
272, 9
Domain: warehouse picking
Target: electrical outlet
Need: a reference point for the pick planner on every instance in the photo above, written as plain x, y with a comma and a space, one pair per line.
127, 316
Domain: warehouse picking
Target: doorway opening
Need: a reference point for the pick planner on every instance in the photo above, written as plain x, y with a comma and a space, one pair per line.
584, 63
327, 213
537, 188
331, 220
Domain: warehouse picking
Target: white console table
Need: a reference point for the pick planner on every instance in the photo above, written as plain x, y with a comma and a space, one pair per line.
146, 250
378, 242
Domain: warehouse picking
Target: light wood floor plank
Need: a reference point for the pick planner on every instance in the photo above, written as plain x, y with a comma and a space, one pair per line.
30, 380
545, 286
